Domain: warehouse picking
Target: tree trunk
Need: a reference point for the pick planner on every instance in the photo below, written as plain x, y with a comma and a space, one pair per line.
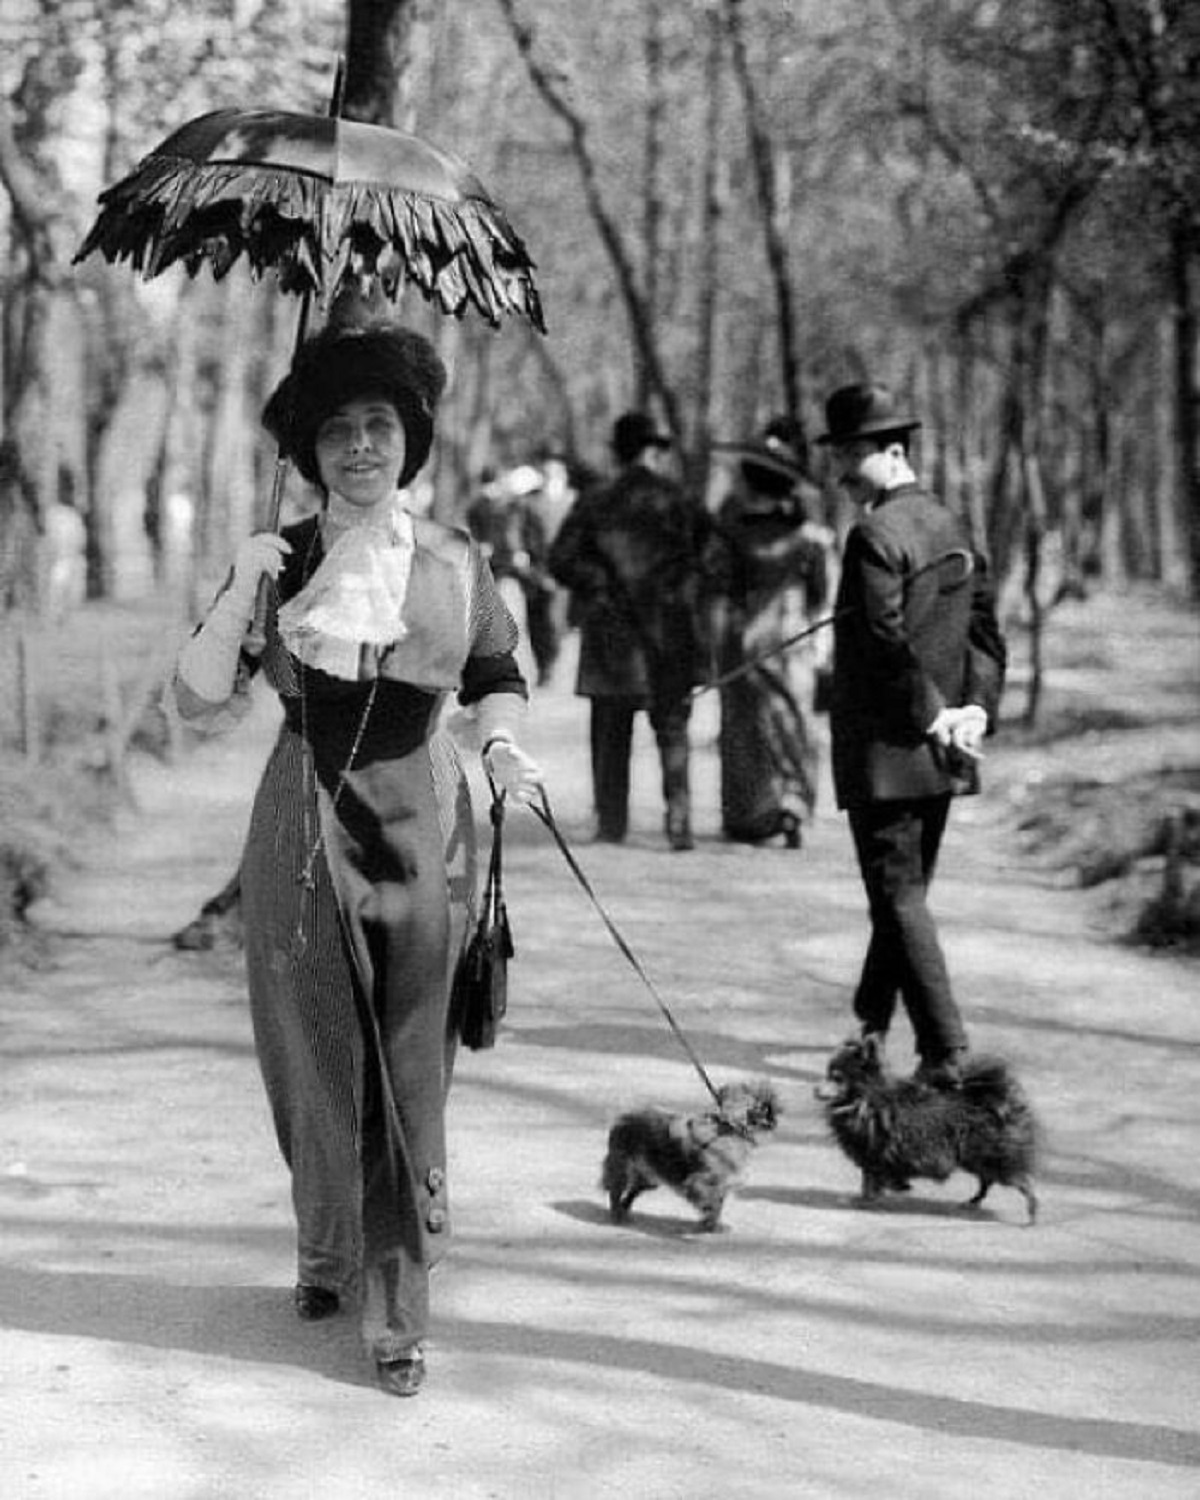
549, 86
1174, 563
710, 219
765, 168
127, 459
384, 41
1186, 312
227, 508
652, 206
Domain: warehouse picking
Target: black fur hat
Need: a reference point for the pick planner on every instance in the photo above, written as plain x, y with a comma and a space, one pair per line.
344, 362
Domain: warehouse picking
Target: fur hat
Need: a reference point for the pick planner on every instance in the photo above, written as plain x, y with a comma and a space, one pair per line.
347, 361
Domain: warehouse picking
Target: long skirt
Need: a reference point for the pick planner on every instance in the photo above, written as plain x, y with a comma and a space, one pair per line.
355, 908
770, 752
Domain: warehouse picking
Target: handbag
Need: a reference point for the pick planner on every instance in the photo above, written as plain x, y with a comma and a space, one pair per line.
480, 993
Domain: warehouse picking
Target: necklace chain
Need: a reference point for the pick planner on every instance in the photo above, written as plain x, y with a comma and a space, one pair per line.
314, 839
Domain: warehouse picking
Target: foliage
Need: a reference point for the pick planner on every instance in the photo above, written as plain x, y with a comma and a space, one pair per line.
984, 203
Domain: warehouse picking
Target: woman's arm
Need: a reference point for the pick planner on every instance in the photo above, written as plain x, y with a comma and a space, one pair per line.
209, 671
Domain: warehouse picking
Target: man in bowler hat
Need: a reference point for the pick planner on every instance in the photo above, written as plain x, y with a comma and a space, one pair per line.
629, 551
918, 670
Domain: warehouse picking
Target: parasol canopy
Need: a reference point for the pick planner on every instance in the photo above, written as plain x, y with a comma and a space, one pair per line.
324, 202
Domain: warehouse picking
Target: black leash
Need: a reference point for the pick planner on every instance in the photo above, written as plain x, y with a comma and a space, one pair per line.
546, 817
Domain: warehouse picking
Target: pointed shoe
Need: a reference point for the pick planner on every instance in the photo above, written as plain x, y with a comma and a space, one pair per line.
402, 1377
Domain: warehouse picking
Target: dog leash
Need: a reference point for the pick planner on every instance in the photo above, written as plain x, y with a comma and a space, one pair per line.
546, 817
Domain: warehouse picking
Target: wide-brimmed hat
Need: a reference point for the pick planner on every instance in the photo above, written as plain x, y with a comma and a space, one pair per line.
776, 460
634, 431
861, 411
346, 361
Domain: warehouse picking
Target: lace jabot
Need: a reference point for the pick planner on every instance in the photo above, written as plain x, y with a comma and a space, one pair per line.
356, 596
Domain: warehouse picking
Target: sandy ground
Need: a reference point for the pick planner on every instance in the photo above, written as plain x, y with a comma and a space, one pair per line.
811, 1349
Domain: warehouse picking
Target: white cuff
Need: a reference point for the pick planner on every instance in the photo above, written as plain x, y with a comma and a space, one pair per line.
499, 716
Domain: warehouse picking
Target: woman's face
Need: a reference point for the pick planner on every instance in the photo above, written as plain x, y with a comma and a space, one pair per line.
361, 449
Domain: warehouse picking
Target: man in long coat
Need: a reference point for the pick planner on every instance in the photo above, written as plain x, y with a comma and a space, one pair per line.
918, 670
629, 552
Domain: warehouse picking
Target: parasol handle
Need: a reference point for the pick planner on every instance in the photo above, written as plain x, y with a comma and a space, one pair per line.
256, 636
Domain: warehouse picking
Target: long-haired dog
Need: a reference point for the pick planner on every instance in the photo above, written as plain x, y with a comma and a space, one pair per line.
895, 1129
702, 1157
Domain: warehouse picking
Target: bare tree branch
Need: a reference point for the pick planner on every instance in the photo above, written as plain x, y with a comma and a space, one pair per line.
763, 160
551, 88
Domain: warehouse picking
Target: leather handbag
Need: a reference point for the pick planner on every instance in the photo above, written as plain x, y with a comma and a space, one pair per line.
480, 994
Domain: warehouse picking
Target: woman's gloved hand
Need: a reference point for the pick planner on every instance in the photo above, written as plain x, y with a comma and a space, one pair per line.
260, 555
513, 772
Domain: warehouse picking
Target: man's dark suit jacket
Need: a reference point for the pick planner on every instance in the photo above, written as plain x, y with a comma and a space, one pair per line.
910, 639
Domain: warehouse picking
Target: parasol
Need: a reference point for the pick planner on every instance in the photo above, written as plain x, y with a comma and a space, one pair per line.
326, 203
332, 206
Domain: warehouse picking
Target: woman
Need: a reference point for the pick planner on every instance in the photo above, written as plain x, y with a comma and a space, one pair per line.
358, 869
776, 566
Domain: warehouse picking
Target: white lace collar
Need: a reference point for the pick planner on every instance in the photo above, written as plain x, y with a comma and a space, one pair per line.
356, 596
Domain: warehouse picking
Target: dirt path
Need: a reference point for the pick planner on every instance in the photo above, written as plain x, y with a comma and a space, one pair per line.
811, 1350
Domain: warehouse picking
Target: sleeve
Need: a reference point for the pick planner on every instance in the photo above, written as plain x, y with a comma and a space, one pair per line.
212, 674
491, 665
987, 653
573, 560
901, 681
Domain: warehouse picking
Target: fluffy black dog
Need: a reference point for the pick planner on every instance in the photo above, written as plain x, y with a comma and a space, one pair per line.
895, 1129
702, 1157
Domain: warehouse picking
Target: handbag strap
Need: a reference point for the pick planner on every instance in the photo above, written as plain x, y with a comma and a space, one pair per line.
493, 890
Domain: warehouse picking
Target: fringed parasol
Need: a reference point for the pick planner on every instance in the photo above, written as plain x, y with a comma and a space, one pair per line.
324, 202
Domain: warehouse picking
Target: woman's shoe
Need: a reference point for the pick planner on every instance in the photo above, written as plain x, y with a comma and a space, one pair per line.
402, 1377
315, 1302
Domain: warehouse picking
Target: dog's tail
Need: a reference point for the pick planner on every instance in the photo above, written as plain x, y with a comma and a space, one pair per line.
991, 1083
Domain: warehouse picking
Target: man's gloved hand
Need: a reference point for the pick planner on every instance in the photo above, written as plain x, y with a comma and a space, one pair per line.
941, 731
969, 730
960, 730
514, 772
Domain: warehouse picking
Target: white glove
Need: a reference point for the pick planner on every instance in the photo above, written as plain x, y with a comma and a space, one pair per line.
259, 555
942, 729
960, 729
514, 772
208, 661
969, 730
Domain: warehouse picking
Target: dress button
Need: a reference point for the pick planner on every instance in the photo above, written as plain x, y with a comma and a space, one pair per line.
435, 1179
436, 1220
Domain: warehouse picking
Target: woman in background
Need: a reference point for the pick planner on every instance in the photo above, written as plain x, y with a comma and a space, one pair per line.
776, 565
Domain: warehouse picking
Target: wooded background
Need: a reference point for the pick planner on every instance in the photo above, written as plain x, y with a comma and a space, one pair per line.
734, 205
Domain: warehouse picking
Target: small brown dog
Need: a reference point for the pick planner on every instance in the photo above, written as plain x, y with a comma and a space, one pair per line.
894, 1129
702, 1157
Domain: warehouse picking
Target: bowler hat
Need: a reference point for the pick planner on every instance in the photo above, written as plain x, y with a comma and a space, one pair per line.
633, 432
861, 411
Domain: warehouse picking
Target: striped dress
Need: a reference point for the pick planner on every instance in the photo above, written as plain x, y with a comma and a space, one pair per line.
357, 879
